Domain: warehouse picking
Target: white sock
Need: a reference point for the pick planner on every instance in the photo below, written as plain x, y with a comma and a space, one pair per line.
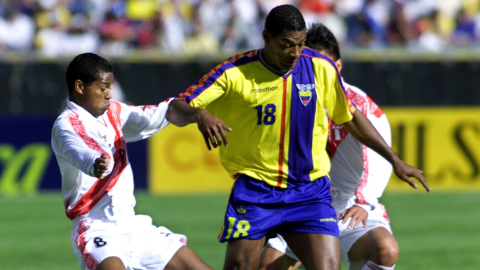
373, 266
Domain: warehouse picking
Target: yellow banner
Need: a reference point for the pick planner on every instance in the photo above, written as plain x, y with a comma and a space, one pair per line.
442, 141
179, 162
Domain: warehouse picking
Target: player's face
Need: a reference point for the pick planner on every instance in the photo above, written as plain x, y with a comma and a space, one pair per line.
97, 95
283, 51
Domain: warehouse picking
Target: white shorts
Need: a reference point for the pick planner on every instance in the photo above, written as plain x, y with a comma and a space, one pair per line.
138, 243
376, 218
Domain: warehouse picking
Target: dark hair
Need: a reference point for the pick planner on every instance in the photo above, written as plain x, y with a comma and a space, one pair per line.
320, 38
284, 17
86, 67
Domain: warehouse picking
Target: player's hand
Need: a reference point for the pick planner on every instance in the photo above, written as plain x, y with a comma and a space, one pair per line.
404, 171
100, 166
357, 214
212, 128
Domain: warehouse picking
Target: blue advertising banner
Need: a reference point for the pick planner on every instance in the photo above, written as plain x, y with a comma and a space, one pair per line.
27, 162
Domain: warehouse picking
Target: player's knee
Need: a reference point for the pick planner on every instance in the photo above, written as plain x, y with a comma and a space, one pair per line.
262, 266
266, 263
240, 262
239, 265
388, 253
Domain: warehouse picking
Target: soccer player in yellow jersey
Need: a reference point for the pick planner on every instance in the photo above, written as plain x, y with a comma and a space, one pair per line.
359, 177
276, 101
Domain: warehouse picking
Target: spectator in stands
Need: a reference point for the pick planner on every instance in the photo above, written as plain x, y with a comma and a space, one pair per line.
464, 33
201, 42
430, 37
167, 25
117, 34
173, 34
17, 30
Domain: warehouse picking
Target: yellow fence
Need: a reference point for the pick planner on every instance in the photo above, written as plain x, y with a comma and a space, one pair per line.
444, 142
179, 162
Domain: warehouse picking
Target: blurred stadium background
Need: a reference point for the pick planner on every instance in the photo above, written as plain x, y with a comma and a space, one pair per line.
418, 59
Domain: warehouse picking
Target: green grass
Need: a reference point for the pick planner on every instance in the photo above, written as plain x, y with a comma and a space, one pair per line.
434, 231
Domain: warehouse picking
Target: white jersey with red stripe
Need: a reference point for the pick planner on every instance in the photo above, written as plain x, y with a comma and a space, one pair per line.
78, 138
358, 174
358, 177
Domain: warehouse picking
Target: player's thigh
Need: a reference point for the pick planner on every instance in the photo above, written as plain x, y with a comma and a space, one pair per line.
186, 259
246, 216
153, 248
280, 245
243, 253
368, 246
93, 248
315, 251
111, 263
273, 259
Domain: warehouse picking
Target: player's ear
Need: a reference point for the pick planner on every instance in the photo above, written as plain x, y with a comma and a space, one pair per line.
79, 87
266, 36
338, 63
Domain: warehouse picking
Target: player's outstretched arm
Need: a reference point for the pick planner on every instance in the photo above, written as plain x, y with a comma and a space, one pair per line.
212, 128
362, 129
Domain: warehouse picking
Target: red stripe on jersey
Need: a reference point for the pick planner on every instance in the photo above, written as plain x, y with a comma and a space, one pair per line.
282, 135
336, 135
78, 127
360, 198
144, 107
103, 186
361, 102
373, 108
202, 82
363, 105
89, 260
384, 211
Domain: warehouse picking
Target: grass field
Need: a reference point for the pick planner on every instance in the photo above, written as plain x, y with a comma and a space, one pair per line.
434, 231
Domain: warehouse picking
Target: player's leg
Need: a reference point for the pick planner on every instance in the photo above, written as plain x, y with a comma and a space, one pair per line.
315, 251
151, 247
310, 228
243, 254
253, 210
98, 246
378, 246
186, 259
273, 259
277, 255
111, 263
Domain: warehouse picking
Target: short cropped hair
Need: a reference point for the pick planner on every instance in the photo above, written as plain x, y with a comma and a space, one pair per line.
320, 38
86, 67
284, 17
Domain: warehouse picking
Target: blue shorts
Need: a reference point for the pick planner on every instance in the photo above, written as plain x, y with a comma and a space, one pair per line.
256, 209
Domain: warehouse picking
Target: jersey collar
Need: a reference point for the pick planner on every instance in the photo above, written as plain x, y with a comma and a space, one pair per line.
80, 111
271, 69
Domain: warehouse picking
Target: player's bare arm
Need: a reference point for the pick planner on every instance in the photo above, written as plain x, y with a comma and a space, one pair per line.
212, 128
357, 214
363, 130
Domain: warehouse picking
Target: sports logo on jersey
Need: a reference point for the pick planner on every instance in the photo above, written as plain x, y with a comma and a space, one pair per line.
105, 139
241, 211
305, 92
328, 220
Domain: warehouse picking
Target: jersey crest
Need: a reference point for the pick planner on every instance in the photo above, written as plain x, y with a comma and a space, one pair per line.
305, 93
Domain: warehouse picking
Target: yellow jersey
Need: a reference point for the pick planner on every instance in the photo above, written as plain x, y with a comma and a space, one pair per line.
279, 121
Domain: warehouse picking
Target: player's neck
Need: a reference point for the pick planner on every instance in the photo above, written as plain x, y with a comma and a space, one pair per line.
268, 62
